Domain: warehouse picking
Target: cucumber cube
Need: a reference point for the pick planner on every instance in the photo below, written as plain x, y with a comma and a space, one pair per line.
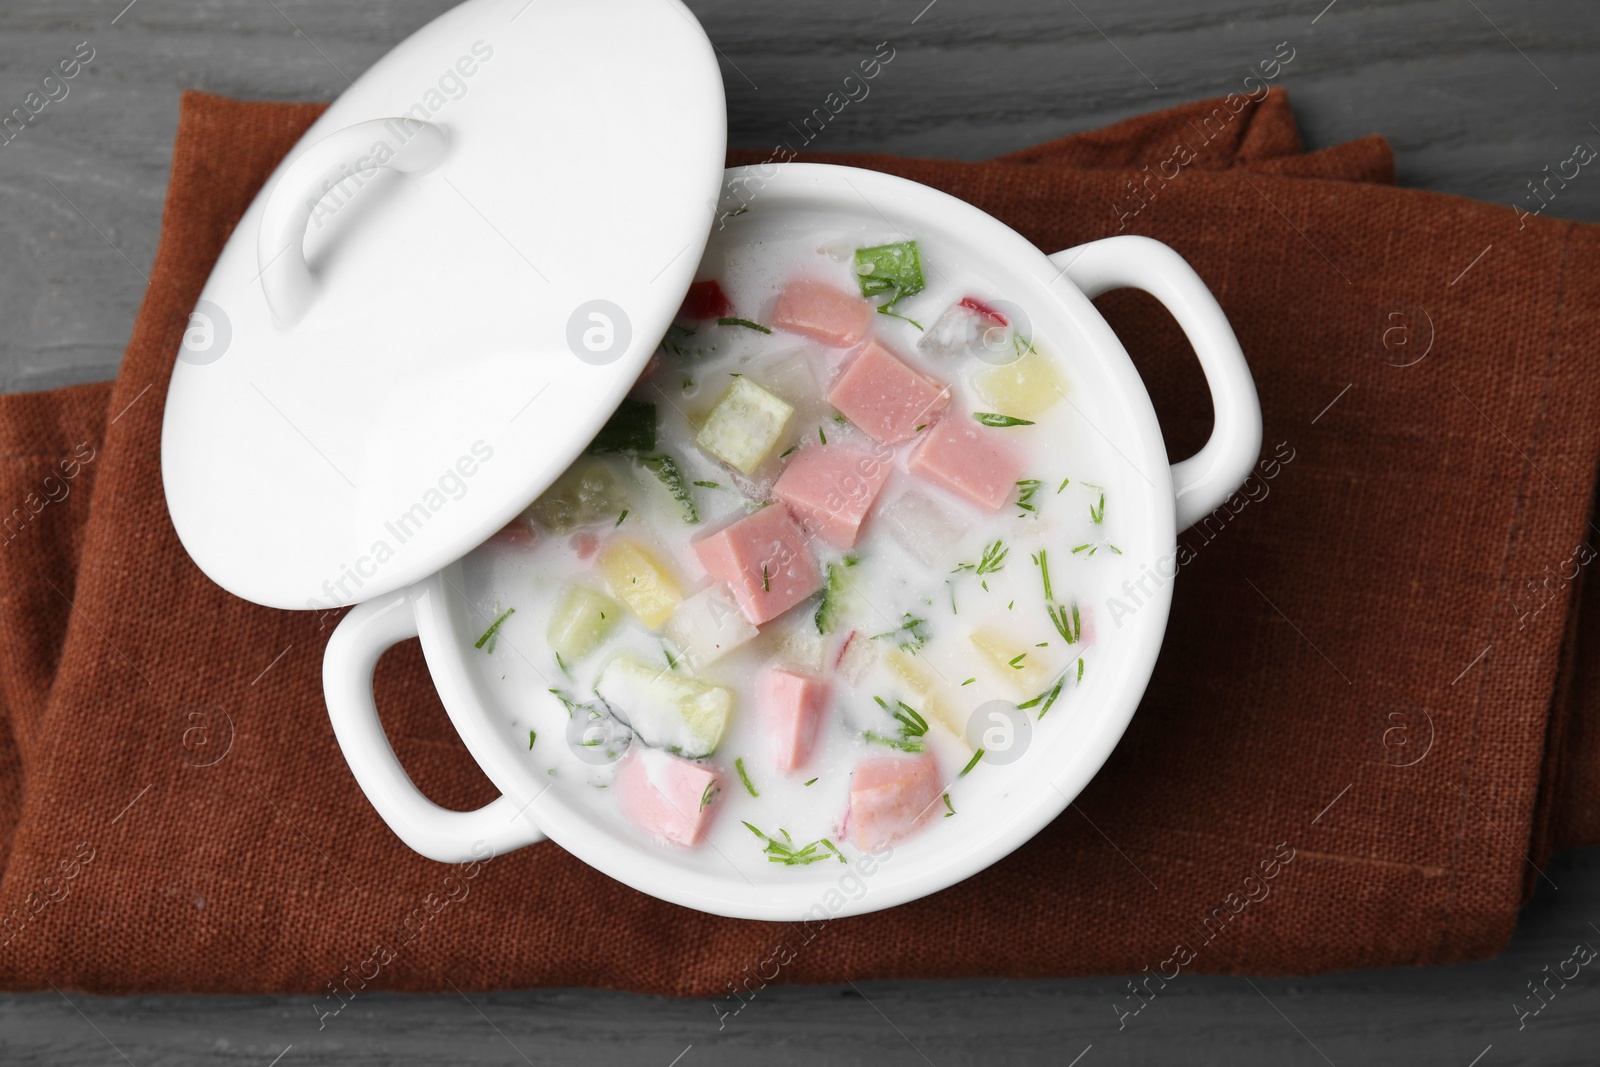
581, 621
744, 426
895, 269
587, 492
666, 709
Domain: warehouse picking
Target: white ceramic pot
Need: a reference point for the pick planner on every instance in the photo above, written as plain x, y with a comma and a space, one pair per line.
1065, 752
408, 283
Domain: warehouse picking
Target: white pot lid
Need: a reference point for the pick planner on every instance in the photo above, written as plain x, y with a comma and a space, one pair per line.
479, 286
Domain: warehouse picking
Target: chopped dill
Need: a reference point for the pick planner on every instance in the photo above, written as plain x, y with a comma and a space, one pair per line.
910, 635
994, 559
490, 635
1069, 626
1048, 697
989, 418
784, 851
746, 323
744, 777
971, 763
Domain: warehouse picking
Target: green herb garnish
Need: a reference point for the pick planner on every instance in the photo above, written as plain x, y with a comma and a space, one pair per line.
1097, 513
532, 737
989, 418
710, 794
1069, 626
1044, 572
812, 780
744, 777
1026, 488
785, 853
948, 805
746, 323
489, 635
666, 470
910, 635
1048, 697
994, 559
821, 436
913, 727
766, 581
709, 485
621, 517
971, 763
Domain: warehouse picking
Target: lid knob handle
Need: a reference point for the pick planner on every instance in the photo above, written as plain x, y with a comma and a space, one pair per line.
342, 160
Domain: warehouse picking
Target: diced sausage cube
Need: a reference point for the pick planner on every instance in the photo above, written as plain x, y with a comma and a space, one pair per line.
830, 488
664, 795
819, 311
765, 561
792, 706
890, 401
892, 795
970, 460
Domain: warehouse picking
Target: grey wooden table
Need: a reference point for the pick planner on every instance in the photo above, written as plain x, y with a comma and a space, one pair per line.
1477, 97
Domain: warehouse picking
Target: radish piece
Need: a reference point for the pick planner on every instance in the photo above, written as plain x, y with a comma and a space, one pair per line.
706, 300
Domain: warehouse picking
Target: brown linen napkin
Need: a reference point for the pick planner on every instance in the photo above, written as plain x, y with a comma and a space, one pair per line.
186, 821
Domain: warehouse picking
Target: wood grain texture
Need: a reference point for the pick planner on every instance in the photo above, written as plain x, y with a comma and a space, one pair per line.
1477, 96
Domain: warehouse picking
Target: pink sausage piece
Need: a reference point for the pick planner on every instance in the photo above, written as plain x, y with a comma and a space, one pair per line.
667, 795
969, 459
765, 560
792, 706
890, 401
830, 488
892, 795
819, 311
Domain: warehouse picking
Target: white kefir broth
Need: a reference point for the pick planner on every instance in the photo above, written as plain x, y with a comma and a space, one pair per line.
753, 258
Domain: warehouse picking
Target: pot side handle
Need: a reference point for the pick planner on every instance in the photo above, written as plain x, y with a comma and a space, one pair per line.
435, 832
355, 152
1203, 481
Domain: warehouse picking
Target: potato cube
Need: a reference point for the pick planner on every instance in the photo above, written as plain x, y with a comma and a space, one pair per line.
1024, 387
1023, 666
640, 582
581, 621
938, 697
744, 425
